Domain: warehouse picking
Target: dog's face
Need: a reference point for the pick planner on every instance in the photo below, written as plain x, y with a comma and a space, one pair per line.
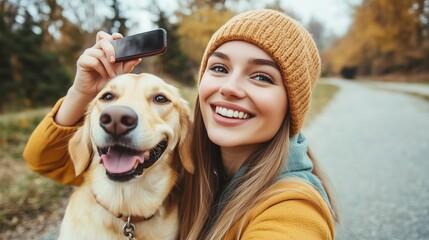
132, 123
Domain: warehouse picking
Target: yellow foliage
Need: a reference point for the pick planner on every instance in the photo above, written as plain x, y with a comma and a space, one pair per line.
383, 36
196, 29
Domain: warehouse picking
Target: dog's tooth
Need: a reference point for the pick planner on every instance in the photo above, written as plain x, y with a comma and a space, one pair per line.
136, 165
146, 155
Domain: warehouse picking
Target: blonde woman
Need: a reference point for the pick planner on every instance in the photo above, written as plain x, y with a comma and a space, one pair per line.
255, 177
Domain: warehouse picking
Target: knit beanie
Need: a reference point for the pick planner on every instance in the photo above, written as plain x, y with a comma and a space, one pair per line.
288, 43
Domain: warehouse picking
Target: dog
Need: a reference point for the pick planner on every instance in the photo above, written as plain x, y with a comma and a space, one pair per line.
131, 151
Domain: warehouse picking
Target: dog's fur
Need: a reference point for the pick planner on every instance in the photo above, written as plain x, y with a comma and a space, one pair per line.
94, 207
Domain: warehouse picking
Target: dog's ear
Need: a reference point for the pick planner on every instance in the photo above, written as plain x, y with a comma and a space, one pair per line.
185, 138
80, 148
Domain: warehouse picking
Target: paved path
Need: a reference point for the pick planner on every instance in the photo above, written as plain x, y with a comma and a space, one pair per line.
374, 145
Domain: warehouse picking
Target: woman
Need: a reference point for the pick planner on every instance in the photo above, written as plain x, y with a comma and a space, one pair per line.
255, 177
256, 78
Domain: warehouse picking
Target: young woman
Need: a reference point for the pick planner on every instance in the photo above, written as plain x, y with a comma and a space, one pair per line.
255, 177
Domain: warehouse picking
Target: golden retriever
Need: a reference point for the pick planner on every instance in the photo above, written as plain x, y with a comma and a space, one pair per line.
130, 147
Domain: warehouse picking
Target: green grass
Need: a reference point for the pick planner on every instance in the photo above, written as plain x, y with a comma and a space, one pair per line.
15, 132
23, 194
414, 94
322, 95
419, 95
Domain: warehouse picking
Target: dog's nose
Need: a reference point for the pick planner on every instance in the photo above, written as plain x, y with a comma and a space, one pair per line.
118, 120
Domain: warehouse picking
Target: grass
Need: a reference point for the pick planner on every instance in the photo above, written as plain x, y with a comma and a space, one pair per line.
419, 95
323, 93
398, 77
26, 197
414, 94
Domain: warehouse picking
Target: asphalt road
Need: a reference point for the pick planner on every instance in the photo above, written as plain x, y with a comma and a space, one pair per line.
373, 142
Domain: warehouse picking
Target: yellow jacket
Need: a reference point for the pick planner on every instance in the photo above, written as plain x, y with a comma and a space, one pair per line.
295, 211
46, 150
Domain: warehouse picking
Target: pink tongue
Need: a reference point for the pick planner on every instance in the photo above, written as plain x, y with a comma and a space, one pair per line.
119, 161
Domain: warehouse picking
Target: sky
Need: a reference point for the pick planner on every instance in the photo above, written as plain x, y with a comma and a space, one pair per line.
335, 15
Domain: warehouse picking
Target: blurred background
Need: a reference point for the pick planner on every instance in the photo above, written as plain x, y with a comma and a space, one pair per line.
41, 39
379, 44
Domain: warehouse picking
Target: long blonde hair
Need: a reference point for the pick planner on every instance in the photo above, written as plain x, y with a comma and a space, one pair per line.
200, 189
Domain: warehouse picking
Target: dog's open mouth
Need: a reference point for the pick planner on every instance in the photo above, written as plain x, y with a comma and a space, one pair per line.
123, 164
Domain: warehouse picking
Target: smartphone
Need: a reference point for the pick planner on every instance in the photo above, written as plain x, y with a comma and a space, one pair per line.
140, 45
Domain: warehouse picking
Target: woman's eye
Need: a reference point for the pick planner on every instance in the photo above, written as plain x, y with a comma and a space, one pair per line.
263, 78
219, 69
107, 97
161, 99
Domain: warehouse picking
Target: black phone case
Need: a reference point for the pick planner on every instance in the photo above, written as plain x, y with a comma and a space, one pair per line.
140, 45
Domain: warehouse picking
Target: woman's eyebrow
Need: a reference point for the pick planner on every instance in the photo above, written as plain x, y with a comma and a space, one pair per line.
253, 61
219, 55
257, 61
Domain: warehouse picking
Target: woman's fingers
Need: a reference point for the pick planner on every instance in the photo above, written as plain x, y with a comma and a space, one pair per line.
107, 48
102, 65
104, 41
117, 36
103, 50
89, 63
103, 35
129, 65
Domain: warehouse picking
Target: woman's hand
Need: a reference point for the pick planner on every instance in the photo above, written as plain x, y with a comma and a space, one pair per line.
95, 68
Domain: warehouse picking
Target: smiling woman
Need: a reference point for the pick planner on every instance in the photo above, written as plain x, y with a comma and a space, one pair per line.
256, 80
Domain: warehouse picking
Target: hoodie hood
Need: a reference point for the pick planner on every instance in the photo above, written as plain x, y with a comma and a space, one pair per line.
299, 165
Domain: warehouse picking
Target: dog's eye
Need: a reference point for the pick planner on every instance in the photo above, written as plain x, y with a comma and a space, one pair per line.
161, 99
107, 97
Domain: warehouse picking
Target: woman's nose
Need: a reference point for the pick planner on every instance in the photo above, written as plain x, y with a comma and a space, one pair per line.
233, 87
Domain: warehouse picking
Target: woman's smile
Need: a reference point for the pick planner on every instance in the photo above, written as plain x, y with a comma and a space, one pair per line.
230, 113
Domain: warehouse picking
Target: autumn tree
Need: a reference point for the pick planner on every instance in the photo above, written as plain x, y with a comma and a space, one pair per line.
7, 83
64, 37
32, 75
385, 36
175, 61
38, 76
117, 22
198, 26
318, 32
39, 50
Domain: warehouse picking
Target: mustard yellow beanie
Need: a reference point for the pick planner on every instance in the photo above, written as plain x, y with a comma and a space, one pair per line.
288, 43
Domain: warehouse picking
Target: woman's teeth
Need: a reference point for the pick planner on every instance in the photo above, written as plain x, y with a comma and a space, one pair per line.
231, 113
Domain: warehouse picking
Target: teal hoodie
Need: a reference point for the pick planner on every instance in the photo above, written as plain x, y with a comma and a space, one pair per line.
299, 165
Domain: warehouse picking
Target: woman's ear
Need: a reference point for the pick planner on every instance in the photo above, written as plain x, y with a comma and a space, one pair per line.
80, 148
185, 138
